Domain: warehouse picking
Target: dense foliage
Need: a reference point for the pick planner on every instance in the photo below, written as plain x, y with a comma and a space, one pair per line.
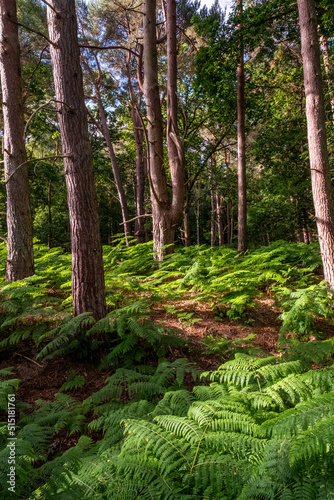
257, 427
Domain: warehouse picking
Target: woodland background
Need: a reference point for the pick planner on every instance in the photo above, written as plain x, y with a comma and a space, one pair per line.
167, 217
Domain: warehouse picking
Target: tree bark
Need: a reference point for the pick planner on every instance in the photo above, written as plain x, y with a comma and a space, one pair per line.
329, 70
20, 257
242, 195
87, 264
165, 214
316, 130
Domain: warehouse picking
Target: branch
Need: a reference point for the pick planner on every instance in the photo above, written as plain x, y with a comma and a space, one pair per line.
34, 71
50, 6
33, 159
138, 217
98, 126
33, 31
41, 107
109, 47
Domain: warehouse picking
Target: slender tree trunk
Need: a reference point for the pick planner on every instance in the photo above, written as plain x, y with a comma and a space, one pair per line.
220, 227
139, 141
49, 214
228, 216
299, 236
316, 130
242, 195
114, 166
305, 235
197, 222
87, 265
186, 220
213, 219
165, 214
174, 146
140, 178
329, 70
20, 257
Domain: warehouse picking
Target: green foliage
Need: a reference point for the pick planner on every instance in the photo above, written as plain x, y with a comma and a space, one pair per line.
302, 306
263, 430
73, 381
224, 347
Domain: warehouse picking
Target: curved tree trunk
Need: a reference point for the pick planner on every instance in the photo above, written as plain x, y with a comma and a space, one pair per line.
20, 258
140, 160
316, 131
114, 166
87, 265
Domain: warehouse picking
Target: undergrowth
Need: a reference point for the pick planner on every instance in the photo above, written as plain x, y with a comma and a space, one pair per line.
262, 429
40, 306
256, 428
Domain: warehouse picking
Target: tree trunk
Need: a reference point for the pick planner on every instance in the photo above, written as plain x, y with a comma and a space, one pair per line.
229, 223
197, 221
174, 146
213, 221
49, 214
329, 70
220, 227
242, 195
165, 214
139, 140
20, 257
114, 166
87, 264
186, 220
316, 130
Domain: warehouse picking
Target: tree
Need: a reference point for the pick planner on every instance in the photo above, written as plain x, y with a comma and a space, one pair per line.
316, 129
242, 194
20, 258
87, 264
97, 80
166, 213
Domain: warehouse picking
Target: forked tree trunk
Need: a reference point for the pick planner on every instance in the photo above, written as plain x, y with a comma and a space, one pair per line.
165, 214
20, 257
242, 195
316, 131
87, 265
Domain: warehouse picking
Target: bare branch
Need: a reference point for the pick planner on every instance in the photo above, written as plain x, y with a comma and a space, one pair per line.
109, 47
138, 217
39, 108
34, 71
32, 31
33, 159
50, 6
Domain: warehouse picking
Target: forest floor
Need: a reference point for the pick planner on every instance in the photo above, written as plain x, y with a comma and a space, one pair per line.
42, 380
